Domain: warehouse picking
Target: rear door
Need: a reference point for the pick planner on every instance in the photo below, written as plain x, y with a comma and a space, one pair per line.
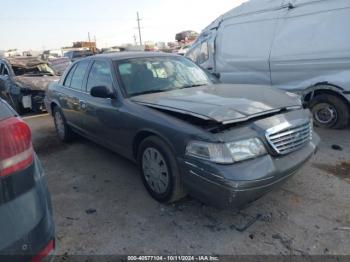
72, 93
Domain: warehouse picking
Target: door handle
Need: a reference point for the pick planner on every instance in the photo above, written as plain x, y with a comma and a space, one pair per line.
75, 101
82, 104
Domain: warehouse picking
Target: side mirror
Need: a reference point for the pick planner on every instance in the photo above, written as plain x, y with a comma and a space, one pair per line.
217, 75
102, 92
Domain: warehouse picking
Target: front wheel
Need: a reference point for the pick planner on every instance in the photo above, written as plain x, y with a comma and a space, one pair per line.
159, 170
329, 111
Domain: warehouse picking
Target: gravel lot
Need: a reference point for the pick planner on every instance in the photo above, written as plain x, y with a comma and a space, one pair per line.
101, 206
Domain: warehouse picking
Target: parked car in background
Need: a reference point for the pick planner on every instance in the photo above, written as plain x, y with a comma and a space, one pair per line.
59, 64
26, 224
224, 144
296, 45
77, 54
23, 82
183, 50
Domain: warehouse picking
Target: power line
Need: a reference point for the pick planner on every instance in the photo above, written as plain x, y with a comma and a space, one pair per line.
138, 25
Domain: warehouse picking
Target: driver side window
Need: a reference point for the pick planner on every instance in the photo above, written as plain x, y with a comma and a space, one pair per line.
3, 70
100, 75
200, 53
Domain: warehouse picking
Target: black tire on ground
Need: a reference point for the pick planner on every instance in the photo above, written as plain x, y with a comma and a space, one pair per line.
341, 109
64, 132
16, 105
174, 189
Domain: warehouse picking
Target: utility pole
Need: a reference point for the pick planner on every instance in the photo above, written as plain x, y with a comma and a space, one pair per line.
89, 41
95, 46
138, 24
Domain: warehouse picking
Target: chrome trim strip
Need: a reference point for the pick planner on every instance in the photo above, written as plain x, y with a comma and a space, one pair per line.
289, 136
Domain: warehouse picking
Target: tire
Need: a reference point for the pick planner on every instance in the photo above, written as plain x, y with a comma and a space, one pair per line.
63, 131
16, 105
329, 111
165, 190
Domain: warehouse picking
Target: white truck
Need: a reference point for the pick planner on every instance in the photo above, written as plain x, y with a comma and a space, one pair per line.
301, 46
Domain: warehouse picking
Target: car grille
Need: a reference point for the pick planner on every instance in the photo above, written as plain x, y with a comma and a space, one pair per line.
291, 138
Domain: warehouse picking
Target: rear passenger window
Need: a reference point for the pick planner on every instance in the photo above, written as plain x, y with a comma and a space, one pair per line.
100, 75
1, 68
78, 76
69, 76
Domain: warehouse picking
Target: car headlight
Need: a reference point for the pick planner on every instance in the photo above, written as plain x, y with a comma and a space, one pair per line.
226, 153
246, 149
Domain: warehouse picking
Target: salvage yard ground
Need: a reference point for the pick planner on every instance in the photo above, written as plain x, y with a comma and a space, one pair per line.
101, 206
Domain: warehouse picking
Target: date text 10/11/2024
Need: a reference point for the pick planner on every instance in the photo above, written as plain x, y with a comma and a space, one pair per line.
173, 258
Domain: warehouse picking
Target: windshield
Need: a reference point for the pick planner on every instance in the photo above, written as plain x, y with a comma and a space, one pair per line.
40, 69
160, 74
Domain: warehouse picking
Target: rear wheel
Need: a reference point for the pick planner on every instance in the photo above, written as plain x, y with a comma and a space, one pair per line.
63, 131
159, 170
329, 111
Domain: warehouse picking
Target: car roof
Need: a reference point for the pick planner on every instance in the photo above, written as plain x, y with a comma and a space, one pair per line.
128, 55
24, 61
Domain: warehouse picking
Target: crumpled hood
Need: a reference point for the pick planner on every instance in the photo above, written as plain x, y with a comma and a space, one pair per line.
35, 82
222, 103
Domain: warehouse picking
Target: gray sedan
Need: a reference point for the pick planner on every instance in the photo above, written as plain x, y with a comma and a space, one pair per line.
27, 231
227, 145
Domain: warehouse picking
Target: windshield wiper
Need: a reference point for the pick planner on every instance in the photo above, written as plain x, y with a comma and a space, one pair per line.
149, 92
165, 90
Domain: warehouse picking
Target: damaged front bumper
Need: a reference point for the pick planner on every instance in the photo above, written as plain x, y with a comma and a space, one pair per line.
222, 186
32, 100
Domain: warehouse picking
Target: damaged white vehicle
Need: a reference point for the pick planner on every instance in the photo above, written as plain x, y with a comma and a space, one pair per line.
24, 81
301, 46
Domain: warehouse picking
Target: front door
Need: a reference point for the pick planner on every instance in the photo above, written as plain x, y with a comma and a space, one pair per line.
100, 115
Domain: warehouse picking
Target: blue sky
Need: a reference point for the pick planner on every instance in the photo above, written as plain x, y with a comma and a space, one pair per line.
48, 24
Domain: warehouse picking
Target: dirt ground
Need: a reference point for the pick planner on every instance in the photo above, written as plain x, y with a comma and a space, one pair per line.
101, 206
